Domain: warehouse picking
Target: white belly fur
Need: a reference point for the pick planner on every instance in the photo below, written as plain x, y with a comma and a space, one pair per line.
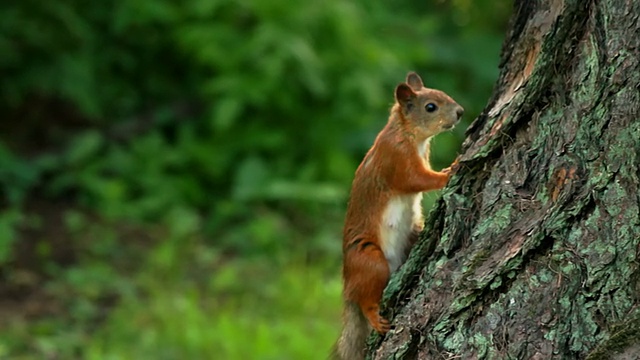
398, 220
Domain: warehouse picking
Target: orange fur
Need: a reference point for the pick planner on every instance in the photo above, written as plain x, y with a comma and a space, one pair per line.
383, 216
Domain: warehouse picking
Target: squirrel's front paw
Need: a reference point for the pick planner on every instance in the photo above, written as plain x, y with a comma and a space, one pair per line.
453, 168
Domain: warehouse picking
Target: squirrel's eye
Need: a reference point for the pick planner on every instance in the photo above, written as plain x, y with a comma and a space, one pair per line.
431, 107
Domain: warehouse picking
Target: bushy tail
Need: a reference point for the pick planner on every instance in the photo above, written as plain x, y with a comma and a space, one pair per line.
352, 341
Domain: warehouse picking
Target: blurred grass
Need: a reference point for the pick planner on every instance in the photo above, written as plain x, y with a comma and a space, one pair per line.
184, 298
248, 311
200, 306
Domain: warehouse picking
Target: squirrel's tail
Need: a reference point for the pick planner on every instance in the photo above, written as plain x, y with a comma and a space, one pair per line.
352, 341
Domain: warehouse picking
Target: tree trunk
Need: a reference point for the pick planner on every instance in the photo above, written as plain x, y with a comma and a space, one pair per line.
533, 250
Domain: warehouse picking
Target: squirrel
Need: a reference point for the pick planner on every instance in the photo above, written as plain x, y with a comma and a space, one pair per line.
384, 213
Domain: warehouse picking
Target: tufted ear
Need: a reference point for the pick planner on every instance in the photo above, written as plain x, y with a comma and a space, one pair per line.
405, 96
414, 81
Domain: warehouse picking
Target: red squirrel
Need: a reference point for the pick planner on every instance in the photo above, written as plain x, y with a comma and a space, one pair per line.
384, 214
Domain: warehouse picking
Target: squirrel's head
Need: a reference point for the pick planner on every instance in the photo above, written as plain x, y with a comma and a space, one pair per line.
426, 111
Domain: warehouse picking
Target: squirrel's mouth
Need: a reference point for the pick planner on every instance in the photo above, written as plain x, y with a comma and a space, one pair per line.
451, 125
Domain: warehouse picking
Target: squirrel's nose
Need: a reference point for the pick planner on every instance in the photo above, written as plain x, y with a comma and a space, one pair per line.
459, 112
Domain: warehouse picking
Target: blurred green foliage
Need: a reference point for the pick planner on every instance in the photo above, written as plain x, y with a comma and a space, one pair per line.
133, 132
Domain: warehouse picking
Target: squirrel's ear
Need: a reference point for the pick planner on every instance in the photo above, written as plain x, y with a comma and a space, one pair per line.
405, 96
414, 81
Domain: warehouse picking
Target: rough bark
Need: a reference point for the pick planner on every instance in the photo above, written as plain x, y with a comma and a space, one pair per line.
533, 250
